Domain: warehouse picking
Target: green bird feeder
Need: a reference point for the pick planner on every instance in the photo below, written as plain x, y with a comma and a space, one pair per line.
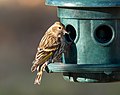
94, 40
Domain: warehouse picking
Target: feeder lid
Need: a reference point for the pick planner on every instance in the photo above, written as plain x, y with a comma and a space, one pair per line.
84, 3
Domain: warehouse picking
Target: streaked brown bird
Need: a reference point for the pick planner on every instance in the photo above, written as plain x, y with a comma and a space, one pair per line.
50, 47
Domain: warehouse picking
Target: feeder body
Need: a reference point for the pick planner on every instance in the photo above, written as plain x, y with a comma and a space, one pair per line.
95, 35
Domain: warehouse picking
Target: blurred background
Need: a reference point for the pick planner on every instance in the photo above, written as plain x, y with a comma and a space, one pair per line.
22, 24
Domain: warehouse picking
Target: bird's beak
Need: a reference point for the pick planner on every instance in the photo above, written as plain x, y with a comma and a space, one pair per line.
65, 32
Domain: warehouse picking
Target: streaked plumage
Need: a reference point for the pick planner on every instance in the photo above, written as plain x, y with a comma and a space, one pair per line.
49, 49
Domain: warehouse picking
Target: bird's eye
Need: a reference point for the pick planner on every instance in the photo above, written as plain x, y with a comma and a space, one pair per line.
59, 27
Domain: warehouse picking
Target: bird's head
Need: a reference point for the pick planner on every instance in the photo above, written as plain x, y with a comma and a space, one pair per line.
59, 29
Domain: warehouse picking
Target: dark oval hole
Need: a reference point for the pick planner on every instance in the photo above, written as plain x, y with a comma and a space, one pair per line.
72, 33
103, 34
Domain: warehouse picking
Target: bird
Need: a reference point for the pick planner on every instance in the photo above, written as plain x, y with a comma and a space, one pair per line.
49, 49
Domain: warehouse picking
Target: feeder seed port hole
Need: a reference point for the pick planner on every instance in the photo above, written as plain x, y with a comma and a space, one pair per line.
103, 35
72, 33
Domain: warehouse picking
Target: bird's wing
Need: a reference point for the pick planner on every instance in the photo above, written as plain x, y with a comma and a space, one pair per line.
61, 49
49, 43
47, 46
40, 58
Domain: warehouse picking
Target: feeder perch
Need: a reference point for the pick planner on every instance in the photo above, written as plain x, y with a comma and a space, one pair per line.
94, 26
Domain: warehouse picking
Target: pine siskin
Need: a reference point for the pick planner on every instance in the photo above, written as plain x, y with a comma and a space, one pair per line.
50, 47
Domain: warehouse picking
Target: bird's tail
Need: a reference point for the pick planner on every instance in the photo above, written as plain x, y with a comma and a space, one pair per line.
40, 73
38, 77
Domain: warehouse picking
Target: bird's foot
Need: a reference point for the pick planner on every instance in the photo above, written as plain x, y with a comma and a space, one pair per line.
44, 65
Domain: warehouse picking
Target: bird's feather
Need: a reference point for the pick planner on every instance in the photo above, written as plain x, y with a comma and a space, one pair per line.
49, 43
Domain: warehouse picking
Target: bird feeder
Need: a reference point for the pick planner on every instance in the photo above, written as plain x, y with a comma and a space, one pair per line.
94, 40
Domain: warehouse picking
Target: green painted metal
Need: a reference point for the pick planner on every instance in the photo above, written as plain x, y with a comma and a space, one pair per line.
84, 68
84, 3
89, 13
93, 42
87, 72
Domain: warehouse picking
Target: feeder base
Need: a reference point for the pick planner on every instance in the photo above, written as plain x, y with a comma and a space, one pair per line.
92, 73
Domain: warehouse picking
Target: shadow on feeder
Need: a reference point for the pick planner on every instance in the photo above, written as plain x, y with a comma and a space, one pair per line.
70, 56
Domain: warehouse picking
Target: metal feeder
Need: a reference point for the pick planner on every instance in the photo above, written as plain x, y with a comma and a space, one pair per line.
94, 25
